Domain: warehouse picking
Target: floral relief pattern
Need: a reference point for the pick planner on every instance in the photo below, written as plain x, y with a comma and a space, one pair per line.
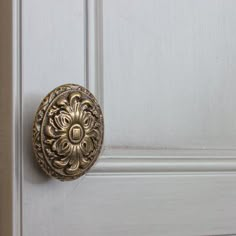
70, 133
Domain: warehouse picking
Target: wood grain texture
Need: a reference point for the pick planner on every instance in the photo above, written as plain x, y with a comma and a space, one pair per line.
52, 54
133, 206
169, 74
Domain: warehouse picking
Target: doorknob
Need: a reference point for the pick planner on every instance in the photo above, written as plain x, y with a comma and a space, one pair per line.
68, 132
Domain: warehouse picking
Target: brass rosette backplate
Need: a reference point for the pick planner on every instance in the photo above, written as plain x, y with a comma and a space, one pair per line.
68, 132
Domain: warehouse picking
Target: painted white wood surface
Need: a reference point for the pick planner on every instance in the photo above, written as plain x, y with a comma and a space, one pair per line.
130, 191
169, 73
133, 206
52, 55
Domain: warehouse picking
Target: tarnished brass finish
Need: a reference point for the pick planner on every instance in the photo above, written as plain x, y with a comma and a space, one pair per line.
68, 132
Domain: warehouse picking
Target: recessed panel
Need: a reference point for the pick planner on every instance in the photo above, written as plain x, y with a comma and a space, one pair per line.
170, 73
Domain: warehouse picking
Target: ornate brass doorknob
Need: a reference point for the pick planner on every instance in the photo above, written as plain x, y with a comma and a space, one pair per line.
68, 132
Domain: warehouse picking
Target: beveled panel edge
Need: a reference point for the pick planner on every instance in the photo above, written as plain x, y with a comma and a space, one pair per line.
157, 162
94, 46
136, 161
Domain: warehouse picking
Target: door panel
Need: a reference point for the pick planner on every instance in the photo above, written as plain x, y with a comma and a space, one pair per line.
169, 74
163, 72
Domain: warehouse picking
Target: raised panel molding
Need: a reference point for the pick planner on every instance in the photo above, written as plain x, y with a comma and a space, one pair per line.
158, 162
94, 48
125, 161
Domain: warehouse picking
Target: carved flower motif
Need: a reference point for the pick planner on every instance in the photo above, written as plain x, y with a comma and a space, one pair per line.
72, 133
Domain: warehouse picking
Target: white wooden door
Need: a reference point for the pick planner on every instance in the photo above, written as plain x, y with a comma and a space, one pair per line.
164, 72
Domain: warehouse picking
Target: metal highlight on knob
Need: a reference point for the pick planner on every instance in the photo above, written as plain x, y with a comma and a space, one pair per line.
68, 132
